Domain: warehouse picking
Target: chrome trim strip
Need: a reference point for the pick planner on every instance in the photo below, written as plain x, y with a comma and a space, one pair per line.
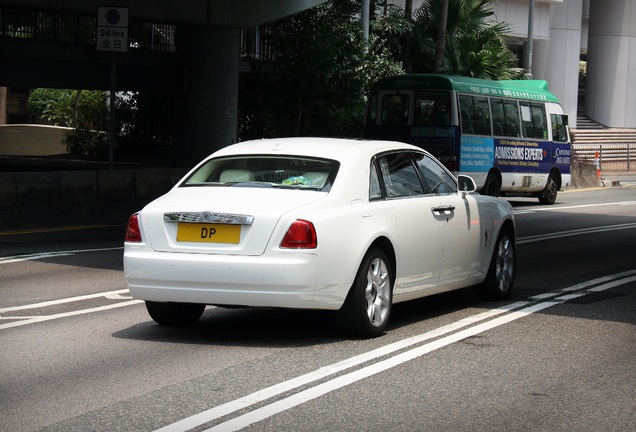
209, 217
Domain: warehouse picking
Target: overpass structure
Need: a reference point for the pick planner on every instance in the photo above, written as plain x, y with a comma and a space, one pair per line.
190, 48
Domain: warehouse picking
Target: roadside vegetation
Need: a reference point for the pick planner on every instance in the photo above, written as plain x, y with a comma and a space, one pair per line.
323, 68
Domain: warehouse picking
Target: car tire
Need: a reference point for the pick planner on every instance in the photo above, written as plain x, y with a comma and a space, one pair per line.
549, 193
367, 309
174, 314
491, 186
501, 272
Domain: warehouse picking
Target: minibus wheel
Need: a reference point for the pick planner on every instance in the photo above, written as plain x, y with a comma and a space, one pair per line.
549, 194
491, 186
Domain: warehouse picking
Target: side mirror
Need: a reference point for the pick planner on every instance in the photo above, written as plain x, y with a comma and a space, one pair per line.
466, 184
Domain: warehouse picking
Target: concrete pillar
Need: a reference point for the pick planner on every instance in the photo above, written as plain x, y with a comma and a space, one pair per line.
556, 60
610, 97
3, 105
208, 105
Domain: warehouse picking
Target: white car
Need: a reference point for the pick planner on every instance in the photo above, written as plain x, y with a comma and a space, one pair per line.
317, 223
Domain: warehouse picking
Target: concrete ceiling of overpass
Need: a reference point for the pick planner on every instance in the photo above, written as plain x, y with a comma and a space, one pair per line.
234, 13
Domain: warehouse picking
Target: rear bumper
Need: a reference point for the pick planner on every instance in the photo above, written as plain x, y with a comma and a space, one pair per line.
270, 280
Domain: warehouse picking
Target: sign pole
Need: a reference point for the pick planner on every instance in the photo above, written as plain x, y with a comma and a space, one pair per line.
111, 115
112, 35
528, 74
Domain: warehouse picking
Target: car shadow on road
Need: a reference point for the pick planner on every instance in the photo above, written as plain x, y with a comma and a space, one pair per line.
243, 327
289, 328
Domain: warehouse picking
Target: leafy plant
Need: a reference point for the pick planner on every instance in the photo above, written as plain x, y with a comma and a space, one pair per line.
71, 108
476, 45
323, 69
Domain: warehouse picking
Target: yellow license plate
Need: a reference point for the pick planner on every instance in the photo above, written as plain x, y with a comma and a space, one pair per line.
208, 233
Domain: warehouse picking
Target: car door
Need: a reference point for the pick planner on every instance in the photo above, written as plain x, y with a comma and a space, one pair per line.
462, 221
421, 233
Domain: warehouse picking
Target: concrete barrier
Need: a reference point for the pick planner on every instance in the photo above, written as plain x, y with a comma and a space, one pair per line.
32, 140
35, 200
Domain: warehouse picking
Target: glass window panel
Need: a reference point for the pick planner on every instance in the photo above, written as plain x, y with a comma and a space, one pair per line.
438, 180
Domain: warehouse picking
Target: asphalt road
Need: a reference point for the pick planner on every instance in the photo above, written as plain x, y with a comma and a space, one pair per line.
77, 353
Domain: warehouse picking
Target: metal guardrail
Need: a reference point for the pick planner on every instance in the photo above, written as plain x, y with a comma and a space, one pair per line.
79, 29
611, 157
27, 24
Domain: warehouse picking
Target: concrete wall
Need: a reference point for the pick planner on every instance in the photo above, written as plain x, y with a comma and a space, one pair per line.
557, 60
32, 140
610, 98
30, 200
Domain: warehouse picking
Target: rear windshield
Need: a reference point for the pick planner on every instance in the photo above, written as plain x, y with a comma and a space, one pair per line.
298, 172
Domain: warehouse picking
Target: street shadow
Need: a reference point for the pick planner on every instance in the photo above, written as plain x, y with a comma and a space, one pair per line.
287, 328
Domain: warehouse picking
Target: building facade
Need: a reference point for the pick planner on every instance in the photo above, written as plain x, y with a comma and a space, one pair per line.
600, 32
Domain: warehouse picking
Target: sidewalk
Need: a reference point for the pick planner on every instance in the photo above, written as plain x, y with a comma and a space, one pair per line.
609, 178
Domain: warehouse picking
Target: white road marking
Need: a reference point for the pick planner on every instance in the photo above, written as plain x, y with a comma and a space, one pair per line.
107, 294
20, 320
512, 312
36, 319
44, 255
556, 208
571, 233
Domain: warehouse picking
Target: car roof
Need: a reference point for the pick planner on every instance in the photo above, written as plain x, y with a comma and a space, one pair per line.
331, 148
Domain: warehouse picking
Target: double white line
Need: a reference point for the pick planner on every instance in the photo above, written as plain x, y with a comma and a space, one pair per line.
438, 338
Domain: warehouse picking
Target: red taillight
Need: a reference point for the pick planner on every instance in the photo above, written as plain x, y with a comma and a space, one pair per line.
133, 235
300, 235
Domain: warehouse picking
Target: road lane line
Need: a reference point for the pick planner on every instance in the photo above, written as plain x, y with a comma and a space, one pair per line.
300, 398
269, 392
275, 390
555, 208
44, 255
62, 301
56, 229
582, 231
360, 374
33, 320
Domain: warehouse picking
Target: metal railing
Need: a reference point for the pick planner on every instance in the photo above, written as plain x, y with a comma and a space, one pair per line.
611, 157
256, 43
80, 29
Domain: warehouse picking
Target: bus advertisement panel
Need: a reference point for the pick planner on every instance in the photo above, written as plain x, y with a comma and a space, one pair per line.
510, 136
480, 154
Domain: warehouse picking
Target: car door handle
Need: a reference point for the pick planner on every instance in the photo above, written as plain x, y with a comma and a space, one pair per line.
443, 209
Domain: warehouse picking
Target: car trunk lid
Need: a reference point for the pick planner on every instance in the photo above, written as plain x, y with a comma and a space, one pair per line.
220, 220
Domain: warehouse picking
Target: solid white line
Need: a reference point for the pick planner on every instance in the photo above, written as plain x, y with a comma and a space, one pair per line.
269, 392
62, 301
555, 208
44, 255
66, 314
582, 231
360, 374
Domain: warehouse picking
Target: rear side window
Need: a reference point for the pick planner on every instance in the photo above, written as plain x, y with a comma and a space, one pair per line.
399, 175
297, 172
375, 191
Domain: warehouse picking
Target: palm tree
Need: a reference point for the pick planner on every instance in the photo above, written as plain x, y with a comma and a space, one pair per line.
440, 40
473, 44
